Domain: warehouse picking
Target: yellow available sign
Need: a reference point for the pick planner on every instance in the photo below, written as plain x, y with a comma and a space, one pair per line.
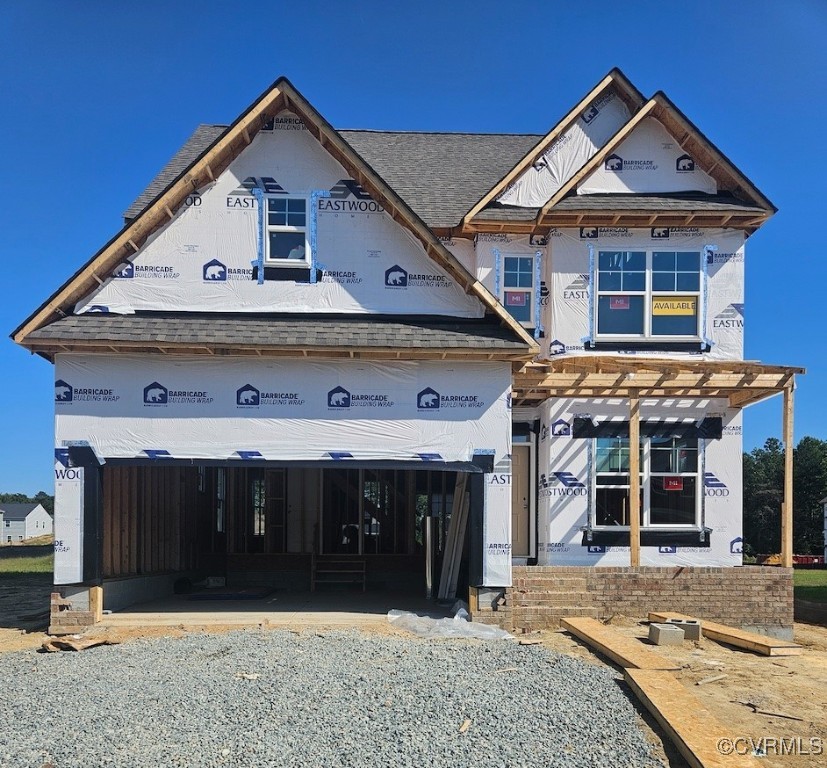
674, 305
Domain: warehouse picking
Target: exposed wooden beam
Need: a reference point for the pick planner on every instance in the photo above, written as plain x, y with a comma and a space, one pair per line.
634, 479
787, 507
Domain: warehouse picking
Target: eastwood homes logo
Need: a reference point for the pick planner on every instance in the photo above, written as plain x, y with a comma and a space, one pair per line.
157, 394
66, 393
713, 486
216, 272
249, 396
242, 196
731, 317
431, 400
348, 196
561, 484
685, 164
343, 277
399, 277
340, 398
592, 233
619, 164
577, 289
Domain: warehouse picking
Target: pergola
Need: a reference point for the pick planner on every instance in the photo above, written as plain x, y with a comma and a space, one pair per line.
740, 383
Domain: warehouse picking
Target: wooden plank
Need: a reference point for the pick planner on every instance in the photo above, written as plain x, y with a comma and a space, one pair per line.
634, 480
692, 728
787, 506
622, 650
751, 641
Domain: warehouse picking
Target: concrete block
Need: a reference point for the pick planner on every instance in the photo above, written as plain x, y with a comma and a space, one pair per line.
691, 628
665, 634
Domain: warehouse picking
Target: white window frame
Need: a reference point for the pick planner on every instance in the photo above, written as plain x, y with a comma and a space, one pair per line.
648, 294
532, 290
646, 476
268, 228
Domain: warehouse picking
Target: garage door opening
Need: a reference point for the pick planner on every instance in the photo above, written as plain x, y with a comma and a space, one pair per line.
271, 538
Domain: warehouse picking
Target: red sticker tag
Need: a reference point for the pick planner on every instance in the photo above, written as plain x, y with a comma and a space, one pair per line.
618, 302
672, 483
515, 299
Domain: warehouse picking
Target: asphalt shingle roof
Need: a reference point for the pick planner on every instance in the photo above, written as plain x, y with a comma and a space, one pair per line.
439, 175
18, 510
282, 331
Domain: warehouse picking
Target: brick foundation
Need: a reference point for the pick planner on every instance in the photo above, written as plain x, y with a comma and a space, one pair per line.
64, 620
753, 597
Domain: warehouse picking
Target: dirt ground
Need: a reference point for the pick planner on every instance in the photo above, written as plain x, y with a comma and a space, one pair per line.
789, 685
795, 686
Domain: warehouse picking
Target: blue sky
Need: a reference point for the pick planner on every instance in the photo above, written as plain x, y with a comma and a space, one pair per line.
98, 95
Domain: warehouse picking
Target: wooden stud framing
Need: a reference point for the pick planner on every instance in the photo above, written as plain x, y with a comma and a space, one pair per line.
634, 479
787, 506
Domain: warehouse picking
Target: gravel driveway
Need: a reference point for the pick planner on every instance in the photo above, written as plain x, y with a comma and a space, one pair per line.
339, 698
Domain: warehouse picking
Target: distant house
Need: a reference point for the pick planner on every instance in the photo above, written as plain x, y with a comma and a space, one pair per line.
24, 521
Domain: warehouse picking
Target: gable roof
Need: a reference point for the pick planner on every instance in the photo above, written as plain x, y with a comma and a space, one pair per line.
18, 511
706, 155
439, 175
215, 158
615, 79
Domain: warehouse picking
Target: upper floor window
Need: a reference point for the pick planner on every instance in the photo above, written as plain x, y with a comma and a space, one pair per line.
287, 231
648, 294
518, 288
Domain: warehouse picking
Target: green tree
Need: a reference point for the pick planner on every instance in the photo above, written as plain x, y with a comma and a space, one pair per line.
809, 487
764, 493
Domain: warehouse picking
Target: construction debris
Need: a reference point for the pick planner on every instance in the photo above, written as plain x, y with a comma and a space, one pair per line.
55, 644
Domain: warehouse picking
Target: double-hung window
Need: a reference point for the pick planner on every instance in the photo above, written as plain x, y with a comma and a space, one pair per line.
669, 483
648, 295
518, 288
287, 240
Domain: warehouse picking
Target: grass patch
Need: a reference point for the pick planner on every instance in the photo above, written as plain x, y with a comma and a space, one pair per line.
811, 584
26, 559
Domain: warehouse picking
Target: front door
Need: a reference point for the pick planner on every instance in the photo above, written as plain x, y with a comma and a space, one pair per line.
520, 504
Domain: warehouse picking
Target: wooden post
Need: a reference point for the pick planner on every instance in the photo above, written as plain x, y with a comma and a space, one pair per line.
787, 506
634, 479
96, 602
